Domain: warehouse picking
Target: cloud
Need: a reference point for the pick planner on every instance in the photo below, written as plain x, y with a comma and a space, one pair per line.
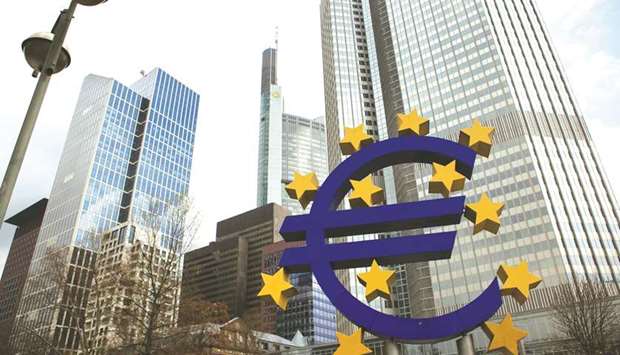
582, 32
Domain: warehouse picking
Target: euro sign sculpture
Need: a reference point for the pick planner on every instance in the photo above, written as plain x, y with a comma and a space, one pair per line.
326, 221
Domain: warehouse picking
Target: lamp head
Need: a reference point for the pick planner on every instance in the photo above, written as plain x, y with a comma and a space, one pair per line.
35, 50
91, 2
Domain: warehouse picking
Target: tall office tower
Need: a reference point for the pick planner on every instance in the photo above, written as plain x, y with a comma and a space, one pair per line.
28, 223
287, 143
309, 312
350, 89
459, 60
228, 270
127, 147
269, 188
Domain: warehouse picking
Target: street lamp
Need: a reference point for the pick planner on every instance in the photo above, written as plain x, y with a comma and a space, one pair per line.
46, 55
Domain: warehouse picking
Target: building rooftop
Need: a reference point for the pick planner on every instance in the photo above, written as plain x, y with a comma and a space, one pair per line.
249, 219
26, 216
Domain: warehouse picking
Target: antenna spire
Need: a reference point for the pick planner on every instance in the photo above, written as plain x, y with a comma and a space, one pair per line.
276, 37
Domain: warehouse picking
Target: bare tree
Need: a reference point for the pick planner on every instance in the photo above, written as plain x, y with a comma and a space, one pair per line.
199, 327
196, 310
585, 312
232, 337
152, 277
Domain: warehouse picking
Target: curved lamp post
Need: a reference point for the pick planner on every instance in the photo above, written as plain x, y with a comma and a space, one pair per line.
46, 55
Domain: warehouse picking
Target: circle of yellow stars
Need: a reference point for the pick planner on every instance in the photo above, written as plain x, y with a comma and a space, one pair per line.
485, 214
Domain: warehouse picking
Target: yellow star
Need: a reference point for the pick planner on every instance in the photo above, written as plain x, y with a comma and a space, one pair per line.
517, 281
504, 336
412, 123
354, 139
446, 179
484, 214
351, 344
365, 193
477, 137
377, 281
303, 188
278, 287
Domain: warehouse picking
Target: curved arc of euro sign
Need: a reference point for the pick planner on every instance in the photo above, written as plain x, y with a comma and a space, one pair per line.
324, 221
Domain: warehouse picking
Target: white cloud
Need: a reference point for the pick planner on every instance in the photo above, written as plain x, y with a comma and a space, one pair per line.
581, 33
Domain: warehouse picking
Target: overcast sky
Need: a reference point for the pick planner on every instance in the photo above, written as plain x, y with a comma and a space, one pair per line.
215, 48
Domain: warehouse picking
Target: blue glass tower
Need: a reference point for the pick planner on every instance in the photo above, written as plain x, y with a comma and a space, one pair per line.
127, 147
309, 312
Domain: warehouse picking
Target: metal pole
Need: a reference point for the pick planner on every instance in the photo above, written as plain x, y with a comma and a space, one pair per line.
19, 151
391, 348
465, 345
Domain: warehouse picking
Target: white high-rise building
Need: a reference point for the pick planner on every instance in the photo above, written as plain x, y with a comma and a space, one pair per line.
456, 60
287, 143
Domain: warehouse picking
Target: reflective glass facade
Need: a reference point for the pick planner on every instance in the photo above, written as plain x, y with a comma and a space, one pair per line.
455, 60
303, 150
309, 312
127, 147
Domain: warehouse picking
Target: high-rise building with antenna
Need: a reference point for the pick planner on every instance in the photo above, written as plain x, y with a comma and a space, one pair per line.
288, 144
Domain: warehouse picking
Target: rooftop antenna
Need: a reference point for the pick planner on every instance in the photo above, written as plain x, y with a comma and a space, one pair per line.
276, 38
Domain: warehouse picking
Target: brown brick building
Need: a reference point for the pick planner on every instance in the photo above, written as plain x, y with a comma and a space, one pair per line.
28, 223
228, 270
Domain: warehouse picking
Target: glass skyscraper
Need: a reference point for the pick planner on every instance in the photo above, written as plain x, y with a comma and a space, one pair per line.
456, 60
127, 147
288, 144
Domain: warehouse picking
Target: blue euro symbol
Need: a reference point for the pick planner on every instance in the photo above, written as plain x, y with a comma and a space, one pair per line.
325, 221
